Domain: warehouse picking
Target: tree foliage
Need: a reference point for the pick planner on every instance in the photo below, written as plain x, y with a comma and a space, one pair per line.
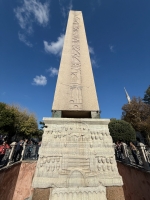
137, 113
42, 125
146, 98
121, 130
41, 131
17, 121
7, 119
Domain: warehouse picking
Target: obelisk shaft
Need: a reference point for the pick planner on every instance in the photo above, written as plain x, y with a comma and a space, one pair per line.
75, 89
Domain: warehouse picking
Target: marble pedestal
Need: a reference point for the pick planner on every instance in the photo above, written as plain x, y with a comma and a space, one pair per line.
76, 158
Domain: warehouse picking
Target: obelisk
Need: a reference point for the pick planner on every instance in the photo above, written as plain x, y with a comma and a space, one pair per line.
76, 158
75, 89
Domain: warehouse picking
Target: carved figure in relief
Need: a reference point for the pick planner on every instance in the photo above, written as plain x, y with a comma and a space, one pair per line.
75, 94
76, 42
76, 76
76, 48
105, 164
75, 32
75, 91
75, 59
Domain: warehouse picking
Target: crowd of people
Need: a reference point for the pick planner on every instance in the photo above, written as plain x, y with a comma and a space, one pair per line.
30, 147
119, 151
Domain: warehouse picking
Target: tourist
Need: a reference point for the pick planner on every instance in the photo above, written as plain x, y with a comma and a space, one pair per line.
118, 150
3, 148
18, 151
29, 149
134, 153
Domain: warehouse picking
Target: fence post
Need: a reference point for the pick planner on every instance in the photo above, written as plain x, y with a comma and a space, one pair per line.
13, 144
125, 152
142, 151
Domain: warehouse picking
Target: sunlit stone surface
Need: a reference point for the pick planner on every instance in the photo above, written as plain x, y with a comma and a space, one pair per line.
75, 89
77, 154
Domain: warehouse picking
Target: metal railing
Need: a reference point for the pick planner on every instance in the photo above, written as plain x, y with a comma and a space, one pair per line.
139, 158
29, 152
131, 157
5, 159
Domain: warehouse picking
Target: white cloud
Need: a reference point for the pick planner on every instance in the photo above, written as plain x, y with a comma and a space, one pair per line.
111, 47
65, 8
93, 57
39, 80
32, 11
70, 6
53, 71
95, 4
94, 63
54, 47
91, 50
23, 39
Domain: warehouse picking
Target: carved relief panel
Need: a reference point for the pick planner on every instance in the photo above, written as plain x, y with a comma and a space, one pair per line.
76, 146
75, 101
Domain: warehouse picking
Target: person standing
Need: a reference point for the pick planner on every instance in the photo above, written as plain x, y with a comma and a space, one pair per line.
18, 151
3, 148
118, 150
134, 153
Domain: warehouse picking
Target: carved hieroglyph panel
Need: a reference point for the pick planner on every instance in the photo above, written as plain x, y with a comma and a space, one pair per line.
75, 88
76, 154
75, 101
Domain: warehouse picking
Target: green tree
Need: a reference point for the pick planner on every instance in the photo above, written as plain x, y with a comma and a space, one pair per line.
137, 113
25, 123
121, 130
17, 121
7, 120
146, 98
42, 125
29, 127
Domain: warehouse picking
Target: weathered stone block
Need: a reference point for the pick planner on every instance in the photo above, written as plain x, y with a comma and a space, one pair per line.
76, 153
41, 194
115, 193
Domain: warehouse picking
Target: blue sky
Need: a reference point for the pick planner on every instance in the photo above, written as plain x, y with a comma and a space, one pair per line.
31, 39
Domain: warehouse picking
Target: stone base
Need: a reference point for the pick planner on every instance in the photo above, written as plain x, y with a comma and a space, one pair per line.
76, 153
79, 193
115, 193
41, 194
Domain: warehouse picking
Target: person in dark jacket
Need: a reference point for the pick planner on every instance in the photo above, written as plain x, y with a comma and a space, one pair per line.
18, 151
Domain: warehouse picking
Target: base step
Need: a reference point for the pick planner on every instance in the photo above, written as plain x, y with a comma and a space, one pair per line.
80, 193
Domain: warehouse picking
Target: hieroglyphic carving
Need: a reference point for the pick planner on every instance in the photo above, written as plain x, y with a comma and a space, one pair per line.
75, 101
